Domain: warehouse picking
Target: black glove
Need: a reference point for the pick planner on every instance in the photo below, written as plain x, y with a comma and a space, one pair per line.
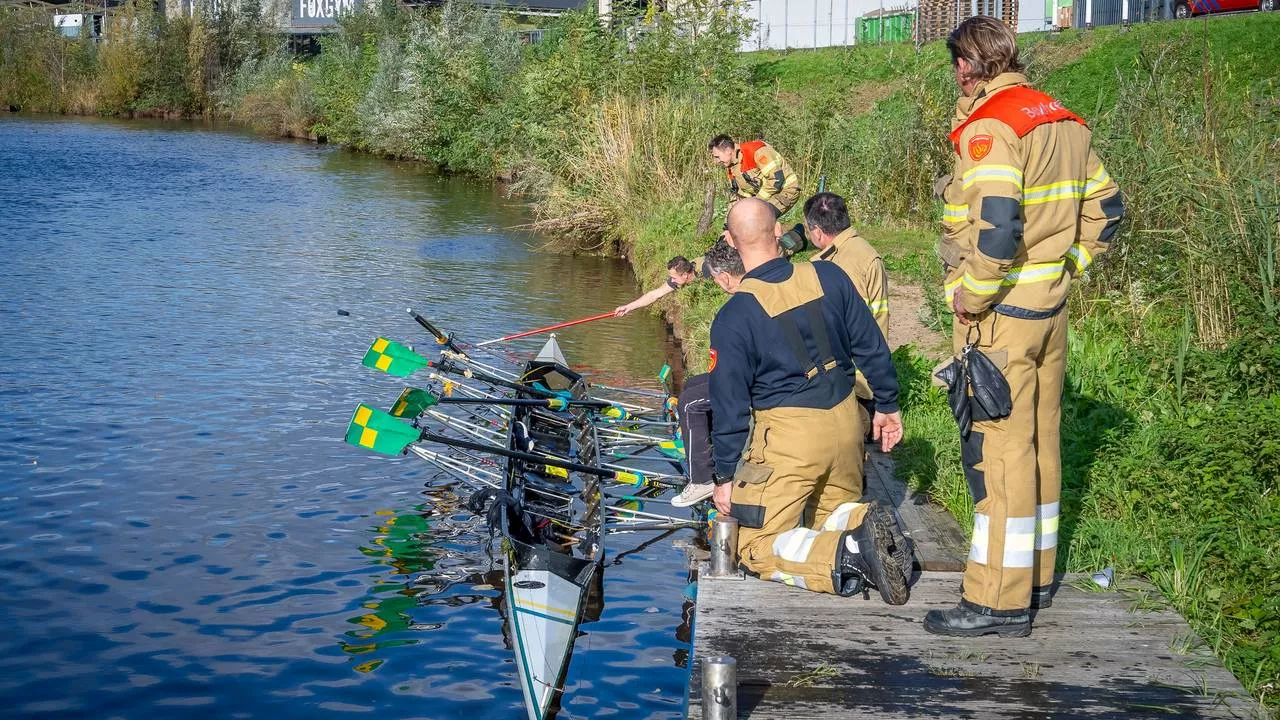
991, 398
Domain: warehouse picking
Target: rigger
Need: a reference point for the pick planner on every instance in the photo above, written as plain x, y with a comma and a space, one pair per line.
1028, 208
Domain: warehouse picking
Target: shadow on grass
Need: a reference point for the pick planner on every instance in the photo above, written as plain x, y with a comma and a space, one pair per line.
1087, 425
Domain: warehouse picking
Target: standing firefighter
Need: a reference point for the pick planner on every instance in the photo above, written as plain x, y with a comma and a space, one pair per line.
1028, 208
783, 349
756, 170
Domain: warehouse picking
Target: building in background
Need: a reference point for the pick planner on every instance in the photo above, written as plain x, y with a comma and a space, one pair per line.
795, 24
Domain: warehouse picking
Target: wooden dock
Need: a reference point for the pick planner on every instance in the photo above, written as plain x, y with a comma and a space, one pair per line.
1093, 654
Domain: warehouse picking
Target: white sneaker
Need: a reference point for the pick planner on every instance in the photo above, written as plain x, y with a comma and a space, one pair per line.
692, 493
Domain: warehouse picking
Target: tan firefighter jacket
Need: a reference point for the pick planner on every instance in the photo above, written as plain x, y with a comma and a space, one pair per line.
1029, 205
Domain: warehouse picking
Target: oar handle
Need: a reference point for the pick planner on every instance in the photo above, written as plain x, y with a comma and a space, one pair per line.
517, 455
440, 337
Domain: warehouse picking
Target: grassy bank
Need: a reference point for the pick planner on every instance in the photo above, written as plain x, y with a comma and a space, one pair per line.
1171, 419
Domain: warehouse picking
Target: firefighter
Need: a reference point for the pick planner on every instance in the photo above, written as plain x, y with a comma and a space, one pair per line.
756, 170
827, 225
681, 271
786, 427
1029, 206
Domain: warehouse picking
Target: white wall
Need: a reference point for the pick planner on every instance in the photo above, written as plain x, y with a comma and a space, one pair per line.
782, 24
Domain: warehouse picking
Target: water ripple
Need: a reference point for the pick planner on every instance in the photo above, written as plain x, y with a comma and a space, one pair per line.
183, 532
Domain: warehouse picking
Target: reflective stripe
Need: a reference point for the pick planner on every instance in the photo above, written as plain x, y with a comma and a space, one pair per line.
981, 287
981, 532
1065, 190
1047, 526
1019, 542
839, 518
1023, 274
1035, 272
992, 173
768, 168
1080, 256
950, 288
878, 307
794, 545
955, 213
792, 580
1098, 180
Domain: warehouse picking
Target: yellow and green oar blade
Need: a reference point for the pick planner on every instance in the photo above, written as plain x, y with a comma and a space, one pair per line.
393, 358
380, 432
413, 402
616, 412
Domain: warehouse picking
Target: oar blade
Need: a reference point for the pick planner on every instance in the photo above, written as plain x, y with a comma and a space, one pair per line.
664, 373
413, 402
375, 430
393, 358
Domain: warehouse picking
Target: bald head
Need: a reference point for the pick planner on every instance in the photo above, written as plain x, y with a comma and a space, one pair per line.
751, 226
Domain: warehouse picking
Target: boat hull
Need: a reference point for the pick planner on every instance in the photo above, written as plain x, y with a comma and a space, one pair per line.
553, 543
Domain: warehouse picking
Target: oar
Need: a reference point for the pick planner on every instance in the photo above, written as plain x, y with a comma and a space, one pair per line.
414, 401
440, 337
398, 360
631, 391
383, 433
548, 328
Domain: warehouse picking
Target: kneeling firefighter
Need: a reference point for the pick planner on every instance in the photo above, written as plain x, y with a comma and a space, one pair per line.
783, 354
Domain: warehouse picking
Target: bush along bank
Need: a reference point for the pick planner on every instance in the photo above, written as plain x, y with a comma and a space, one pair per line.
1170, 420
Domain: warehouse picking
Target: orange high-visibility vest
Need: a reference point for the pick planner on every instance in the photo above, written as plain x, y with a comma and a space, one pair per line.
1021, 108
748, 149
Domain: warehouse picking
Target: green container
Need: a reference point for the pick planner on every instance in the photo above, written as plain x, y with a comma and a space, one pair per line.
895, 28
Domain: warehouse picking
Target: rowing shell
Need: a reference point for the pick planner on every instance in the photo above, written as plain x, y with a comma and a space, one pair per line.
553, 538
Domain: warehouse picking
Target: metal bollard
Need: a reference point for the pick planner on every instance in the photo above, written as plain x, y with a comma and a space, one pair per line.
720, 688
724, 547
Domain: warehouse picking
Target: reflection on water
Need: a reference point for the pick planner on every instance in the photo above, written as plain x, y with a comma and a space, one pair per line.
183, 532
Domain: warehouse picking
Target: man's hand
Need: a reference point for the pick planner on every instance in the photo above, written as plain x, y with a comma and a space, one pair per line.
957, 306
722, 496
887, 428
622, 310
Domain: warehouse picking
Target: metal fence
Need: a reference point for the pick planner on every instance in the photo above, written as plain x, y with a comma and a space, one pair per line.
1086, 13
784, 24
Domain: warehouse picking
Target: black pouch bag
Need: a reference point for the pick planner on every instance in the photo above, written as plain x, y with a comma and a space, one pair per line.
975, 386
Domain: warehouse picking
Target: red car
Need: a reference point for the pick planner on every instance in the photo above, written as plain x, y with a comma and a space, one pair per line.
1187, 8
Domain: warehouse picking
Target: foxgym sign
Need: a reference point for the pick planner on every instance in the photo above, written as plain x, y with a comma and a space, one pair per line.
315, 13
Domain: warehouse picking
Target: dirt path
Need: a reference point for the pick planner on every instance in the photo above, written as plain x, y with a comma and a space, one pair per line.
906, 302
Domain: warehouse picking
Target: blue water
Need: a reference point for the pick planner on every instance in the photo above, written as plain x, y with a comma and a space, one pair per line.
183, 532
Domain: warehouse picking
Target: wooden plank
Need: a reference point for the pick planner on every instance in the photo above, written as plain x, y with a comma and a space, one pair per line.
1091, 655
940, 544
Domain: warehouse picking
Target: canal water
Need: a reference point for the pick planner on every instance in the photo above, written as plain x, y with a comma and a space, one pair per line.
183, 532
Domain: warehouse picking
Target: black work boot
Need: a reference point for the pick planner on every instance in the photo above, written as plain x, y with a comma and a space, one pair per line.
964, 620
904, 548
1041, 597
867, 552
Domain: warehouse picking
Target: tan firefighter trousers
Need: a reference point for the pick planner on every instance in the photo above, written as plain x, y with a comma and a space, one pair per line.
1014, 466
813, 454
